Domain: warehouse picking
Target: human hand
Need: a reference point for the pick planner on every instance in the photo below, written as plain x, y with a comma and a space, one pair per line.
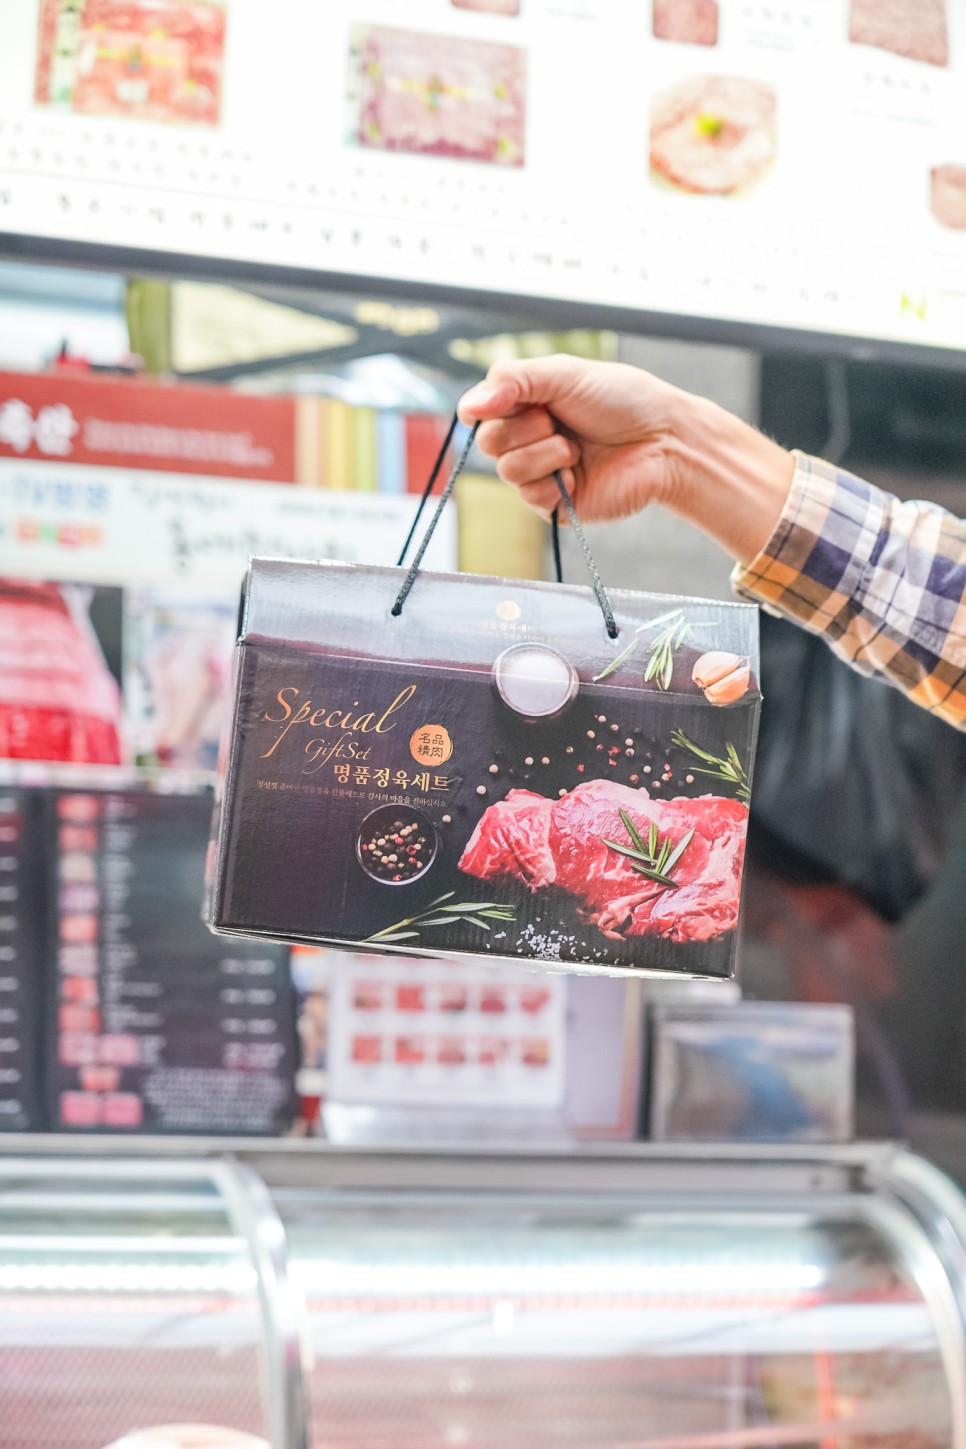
622, 439
610, 428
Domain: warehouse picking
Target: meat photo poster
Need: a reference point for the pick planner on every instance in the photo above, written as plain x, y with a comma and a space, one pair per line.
100, 675
489, 773
156, 60
439, 1033
437, 95
177, 660
60, 672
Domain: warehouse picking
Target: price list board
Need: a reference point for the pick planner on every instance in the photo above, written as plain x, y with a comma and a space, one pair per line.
154, 1024
19, 964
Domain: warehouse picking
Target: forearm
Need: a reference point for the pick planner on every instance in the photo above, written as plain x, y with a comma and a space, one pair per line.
727, 477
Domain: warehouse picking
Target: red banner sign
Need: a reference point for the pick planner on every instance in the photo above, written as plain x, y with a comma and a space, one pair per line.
126, 424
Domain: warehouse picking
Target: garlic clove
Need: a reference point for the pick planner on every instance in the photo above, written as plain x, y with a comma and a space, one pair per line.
715, 665
730, 687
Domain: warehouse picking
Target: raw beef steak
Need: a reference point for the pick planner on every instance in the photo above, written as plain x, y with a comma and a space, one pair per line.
439, 95
562, 842
513, 839
58, 699
490, 7
914, 28
693, 22
947, 199
713, 134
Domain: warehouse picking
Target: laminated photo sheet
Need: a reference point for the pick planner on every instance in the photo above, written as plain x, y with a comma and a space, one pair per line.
311, 972
437, 95
177, 665
755, 1071
60, 667
153, 60
431, 1033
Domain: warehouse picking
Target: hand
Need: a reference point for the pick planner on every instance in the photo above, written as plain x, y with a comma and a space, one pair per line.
607, 426
623, 439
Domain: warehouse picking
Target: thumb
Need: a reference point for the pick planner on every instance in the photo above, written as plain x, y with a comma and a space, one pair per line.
509, 387
496, 397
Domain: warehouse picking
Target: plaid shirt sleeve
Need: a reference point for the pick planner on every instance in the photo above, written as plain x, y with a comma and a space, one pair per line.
884, 581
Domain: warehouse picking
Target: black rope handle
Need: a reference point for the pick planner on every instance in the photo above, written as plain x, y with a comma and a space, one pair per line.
606, 610
598, 584
428, 490
444, 498
555, 544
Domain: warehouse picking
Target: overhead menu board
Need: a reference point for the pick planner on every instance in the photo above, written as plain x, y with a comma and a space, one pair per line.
797, 165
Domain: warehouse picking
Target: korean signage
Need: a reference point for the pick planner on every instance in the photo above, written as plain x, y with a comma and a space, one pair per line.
145, 426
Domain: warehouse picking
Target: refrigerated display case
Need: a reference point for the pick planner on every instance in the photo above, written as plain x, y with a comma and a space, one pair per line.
637, 1298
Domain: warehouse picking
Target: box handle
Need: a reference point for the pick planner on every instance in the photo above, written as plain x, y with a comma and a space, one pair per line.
610, 623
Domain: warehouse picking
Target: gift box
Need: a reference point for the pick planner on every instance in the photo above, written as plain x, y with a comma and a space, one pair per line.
440, 764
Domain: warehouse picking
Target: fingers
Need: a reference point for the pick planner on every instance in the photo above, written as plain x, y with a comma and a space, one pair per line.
542, 496
537, 460
496, 438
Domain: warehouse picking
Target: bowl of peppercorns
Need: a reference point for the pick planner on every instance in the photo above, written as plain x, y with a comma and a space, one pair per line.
396, 844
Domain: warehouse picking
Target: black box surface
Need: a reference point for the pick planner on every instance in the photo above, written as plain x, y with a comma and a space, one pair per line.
488, 773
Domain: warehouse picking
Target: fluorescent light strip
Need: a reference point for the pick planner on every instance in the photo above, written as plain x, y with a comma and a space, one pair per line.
516, 1279
239, 1278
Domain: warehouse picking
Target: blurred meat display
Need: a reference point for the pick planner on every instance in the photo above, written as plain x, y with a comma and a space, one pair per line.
189, 1436
713, 134
438, 95
490, 7
158, 60
914, 28
58, 698
947, 196
177, 650
693, 22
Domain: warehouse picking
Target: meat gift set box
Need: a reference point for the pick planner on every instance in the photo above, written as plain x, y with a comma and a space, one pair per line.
489, 772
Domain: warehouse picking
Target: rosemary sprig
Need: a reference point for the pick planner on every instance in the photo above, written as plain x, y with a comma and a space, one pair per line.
727, 767
661, 649
656, 858
630, 648
471, 911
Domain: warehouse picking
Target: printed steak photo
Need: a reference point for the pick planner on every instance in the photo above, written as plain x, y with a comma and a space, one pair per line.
513, 840
638, 866
947, 196
713, 134
690, 22
916, 29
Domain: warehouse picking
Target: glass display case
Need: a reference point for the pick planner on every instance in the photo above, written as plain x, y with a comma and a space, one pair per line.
642, 1298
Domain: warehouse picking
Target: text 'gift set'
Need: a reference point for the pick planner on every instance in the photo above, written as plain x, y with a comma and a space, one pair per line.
443, 764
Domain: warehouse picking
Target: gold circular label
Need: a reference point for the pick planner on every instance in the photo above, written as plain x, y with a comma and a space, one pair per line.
431, 744
508, 610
